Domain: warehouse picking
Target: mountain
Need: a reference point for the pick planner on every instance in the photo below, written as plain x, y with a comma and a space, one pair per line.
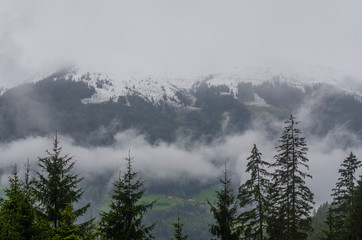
158, 88
92, 107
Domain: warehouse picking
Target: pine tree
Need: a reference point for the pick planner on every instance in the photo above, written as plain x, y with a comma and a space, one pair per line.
14, 211
318, 222
291, 200
67, 228
225, 212
125, 218
329, 233
253, 193
178, 226
342, 197
356, 217
56, 187
18, 216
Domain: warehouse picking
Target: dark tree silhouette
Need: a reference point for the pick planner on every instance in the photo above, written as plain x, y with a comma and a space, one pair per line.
343, 193
290, 199
225, 212
178, 229
125, 217
56, 186
253, 193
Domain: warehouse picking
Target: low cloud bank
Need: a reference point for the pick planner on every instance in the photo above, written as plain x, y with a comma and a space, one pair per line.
198, 161
205, 162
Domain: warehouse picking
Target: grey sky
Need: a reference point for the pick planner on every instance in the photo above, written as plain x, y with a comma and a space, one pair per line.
177, 36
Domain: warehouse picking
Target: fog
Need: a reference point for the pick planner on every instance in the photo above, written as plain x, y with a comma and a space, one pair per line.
182, 37
199, 161
176, 37
195, 160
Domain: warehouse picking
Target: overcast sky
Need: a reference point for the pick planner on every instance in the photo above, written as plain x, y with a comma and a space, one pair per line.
187, 36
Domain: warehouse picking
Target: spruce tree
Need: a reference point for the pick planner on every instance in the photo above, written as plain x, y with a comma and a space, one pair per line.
16, 215
329, 233
275, 217
343, 193
56, 186
291, 200
253, 193
67, 228
178, 229
19, 218
125, 217
225, 212
356, 216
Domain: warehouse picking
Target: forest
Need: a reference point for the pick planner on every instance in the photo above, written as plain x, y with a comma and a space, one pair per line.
273, 203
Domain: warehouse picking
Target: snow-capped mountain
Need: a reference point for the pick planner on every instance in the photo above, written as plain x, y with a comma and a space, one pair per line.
157, 89
150, 88
92, 106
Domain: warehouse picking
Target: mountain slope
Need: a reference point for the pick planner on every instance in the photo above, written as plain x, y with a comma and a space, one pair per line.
92, 107
156, 88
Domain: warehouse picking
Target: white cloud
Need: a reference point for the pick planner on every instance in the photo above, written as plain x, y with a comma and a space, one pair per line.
176, 36
201, 162
182, 37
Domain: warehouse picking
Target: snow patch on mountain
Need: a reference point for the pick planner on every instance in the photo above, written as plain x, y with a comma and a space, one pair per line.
298, 76
157, 89
2, 90
258, 101
110, 88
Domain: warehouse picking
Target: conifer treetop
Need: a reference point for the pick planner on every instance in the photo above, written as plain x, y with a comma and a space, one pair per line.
55, 186
291, 200
125, 217
225, 211
178, 229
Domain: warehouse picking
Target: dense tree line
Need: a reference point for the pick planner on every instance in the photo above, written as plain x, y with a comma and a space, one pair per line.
344, 213
273, 203
43, 207
277, 204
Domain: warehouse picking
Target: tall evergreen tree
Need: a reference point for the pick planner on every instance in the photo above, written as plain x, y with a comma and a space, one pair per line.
67, 228
18, 216
178, 229
319, 222
253, 193
291, 200
356, 217
341, 207
56, 186
225, 212
329, 233
125, 217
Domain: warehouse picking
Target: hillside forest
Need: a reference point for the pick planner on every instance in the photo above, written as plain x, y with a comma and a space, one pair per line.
273, 203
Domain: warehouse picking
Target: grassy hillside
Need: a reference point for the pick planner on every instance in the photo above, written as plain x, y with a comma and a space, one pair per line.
193, 210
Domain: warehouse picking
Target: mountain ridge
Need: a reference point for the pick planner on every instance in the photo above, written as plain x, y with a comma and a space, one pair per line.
93, 107
155, 88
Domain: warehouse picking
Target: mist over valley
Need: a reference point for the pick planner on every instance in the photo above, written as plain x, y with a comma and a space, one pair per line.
181, 140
